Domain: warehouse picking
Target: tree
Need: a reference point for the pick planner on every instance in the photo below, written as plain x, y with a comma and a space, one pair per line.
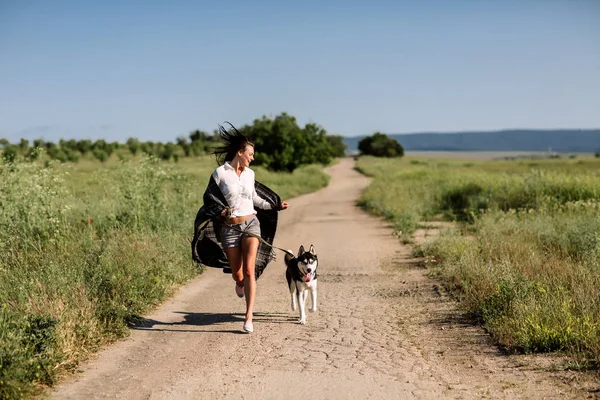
61, 155
72, 144
167, 151
199, 136
100, 154
72, 155
380, 145
134, 145
84, 146
197, 148
147, 148
337, 145
282, 145
24, 145
185, 146
102, 145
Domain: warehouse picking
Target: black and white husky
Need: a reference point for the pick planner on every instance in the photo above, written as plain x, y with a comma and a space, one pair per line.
301, 275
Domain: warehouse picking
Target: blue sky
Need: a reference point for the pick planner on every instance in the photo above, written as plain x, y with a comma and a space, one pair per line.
156, 70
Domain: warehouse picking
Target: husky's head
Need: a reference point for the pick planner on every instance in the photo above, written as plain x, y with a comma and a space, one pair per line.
307, 263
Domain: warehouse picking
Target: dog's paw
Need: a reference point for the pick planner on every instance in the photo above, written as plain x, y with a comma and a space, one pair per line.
313, 309
302, 321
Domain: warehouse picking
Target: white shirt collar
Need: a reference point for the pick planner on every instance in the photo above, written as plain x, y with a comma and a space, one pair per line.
228, 166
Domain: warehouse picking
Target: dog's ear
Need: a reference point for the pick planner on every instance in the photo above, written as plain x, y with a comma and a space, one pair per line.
312, 250
301, 250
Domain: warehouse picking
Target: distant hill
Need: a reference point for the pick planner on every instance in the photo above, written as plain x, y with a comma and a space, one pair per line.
561, 141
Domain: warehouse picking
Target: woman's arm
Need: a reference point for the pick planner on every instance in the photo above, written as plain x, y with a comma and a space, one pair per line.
260, 202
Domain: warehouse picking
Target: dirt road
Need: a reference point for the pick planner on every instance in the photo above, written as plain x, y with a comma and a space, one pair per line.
383, 329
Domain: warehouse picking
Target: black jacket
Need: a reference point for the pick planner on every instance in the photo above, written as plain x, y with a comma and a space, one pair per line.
206, 243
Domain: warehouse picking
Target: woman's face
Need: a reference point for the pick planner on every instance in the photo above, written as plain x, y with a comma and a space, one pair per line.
246, 156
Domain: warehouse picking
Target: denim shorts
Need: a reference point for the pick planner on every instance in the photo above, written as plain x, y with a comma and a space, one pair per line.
233, 237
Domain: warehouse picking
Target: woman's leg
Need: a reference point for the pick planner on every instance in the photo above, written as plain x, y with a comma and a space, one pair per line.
234, 256
249, 250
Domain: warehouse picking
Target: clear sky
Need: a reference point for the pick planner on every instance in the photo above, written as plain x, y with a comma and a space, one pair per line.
156, 70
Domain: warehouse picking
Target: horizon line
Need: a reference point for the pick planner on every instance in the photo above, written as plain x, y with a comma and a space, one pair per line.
479, 131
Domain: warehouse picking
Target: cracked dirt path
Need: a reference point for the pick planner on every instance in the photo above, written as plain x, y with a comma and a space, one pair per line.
383, 329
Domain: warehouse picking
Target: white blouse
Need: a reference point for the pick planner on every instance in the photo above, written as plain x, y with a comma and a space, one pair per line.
239, 191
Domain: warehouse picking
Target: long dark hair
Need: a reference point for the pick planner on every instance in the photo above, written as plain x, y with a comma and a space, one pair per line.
231, 141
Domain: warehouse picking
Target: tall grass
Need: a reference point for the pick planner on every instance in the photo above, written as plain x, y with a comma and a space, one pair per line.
402, 196
84, 252
527, 264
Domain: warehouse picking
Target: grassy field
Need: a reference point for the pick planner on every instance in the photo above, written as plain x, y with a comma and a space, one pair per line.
86, 248
525, 260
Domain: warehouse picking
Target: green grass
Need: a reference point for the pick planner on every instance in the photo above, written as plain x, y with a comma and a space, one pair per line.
527, 262
85, 249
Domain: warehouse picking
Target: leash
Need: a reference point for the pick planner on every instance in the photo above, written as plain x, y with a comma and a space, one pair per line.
250, 234
260, 239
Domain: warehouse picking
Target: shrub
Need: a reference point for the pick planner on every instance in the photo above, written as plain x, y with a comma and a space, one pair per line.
101, 155
465, 201
380, 145
133, 145
9, 154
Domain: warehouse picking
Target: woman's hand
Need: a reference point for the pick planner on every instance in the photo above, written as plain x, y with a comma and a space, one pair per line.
284, 205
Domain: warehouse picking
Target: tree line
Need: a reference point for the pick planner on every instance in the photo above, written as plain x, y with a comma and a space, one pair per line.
72, 150
282, 145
